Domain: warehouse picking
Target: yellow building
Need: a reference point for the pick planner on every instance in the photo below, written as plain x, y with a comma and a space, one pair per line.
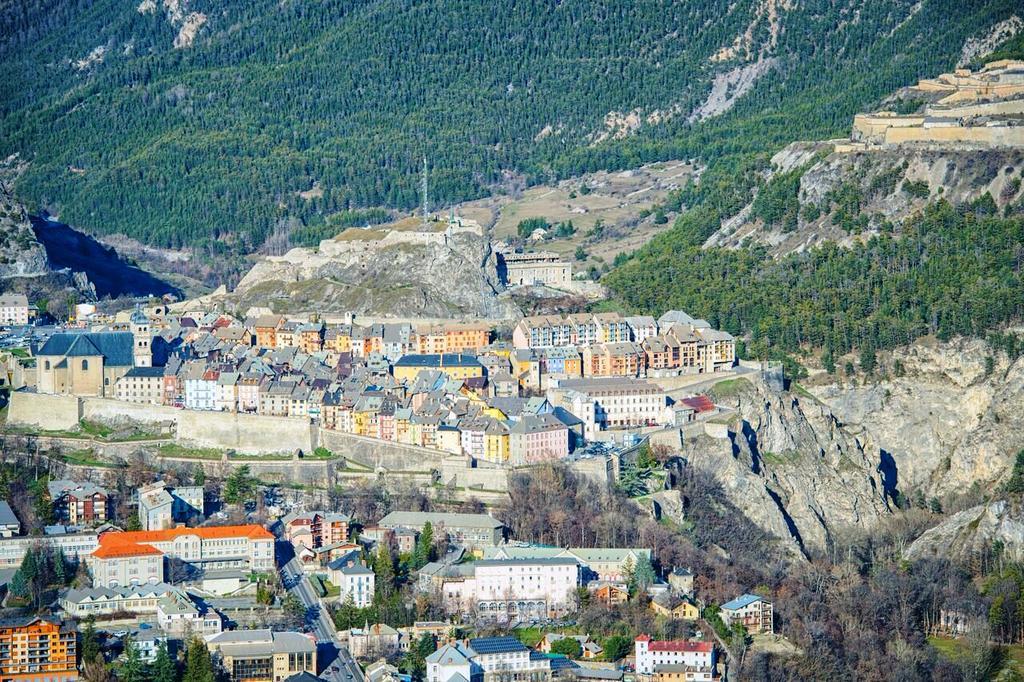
496, 442
36, 650
455, 365
84, 364
676, 609
262, 655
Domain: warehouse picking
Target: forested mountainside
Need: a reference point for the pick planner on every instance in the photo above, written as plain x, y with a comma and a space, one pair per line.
207, 123
818, 250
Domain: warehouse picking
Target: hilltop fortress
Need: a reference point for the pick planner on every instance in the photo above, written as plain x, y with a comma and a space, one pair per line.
444, 268
983, 109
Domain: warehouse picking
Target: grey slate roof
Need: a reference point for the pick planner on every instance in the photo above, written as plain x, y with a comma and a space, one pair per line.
7, 517
413, 519
115, 347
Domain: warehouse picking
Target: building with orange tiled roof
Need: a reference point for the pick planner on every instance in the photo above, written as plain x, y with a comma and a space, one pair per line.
137, 557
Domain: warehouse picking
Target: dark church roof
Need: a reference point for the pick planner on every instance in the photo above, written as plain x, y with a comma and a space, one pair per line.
115, 347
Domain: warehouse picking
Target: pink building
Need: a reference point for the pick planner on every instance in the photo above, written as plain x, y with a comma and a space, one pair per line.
538, 438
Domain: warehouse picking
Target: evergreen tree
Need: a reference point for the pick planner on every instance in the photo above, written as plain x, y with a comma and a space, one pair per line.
199, 475
239, 486
131, 665
643, 576
90, 642
1015, 486
60, 567
384, 572
163, 669
198, 665
423, 553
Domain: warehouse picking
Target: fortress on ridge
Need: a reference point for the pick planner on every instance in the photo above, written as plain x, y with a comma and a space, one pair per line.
983, 109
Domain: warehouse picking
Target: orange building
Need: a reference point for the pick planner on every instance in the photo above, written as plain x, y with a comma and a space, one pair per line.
266, 330
613, 360
462, 338
36, 650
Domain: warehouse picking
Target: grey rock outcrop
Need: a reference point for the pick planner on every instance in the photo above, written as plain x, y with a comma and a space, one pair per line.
876, 179
972, 532
791, 468
944, 425
377, 272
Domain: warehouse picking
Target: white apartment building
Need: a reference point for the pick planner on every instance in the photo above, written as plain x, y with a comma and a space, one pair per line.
76, 546
355, 582
161, 506
487, 659
618, 402
177, 614
516, 589
651, 654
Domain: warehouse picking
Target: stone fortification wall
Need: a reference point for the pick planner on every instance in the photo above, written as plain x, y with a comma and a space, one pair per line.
118, 411
378, 454
248, 433
995, 136
43, 411
1013, 107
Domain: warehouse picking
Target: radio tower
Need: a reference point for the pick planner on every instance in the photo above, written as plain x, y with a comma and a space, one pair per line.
423, 189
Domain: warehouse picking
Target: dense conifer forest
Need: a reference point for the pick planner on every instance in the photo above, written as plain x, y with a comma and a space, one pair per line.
208, 146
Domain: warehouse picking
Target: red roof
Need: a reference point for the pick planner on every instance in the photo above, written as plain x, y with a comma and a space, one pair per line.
700, 403
137, 543
113, 550
681, 645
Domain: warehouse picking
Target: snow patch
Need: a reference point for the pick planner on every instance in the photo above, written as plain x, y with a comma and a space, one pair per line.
980, 46
146, 7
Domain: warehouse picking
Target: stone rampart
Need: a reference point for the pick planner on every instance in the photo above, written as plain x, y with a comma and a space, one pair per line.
43, 411
374, 454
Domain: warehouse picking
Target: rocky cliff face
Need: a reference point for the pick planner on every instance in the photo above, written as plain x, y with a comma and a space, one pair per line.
972, 532
789, 465
438, 277
946, 423
21, 255
835, 185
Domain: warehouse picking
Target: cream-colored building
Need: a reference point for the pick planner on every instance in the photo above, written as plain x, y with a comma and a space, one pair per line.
14, 309
84, 363
543, 267
143, 385
263, 655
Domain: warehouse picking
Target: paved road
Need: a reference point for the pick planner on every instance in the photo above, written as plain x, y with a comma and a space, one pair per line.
335, 662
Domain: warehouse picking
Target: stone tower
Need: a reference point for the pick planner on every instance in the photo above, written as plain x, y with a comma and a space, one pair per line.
142, 339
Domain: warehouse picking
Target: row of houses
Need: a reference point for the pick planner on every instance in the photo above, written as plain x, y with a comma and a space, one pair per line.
612, 345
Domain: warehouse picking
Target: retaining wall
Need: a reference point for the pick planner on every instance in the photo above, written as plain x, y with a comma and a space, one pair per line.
380, 454
44, 411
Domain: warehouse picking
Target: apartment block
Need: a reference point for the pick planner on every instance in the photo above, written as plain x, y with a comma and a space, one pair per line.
317, 528
162, 506
33, 649
79, 503
652, 654
143, 385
